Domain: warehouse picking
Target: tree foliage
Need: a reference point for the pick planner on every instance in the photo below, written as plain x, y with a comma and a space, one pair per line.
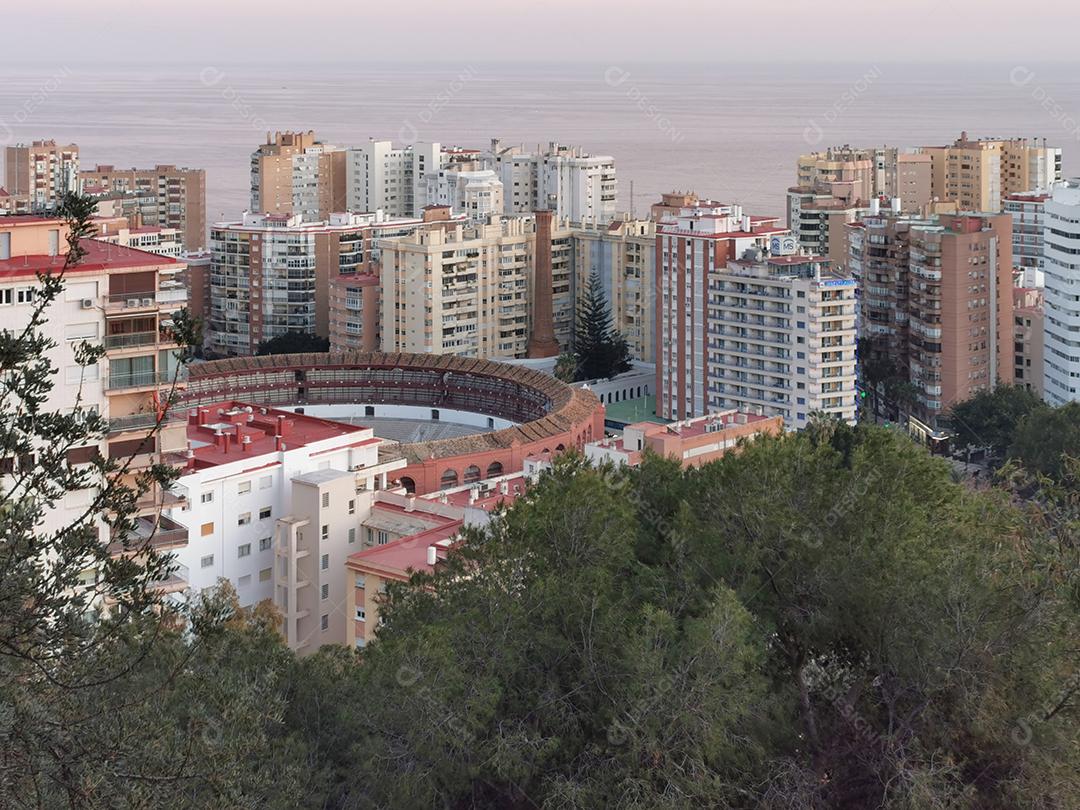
293, 343
601, 351
990, 417
1045, 436
822, 620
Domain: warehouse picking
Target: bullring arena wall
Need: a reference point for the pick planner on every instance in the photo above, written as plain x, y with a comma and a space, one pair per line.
548, 415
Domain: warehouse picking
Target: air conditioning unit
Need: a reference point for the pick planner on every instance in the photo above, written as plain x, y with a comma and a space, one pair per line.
87, 303
148, 302
132, 303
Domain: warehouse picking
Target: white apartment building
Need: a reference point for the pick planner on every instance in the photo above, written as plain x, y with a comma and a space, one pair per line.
124, 300
394, 179
466, 290
1061, 302
1028, 213
161, 241
273, 502
781, 339
575, 186
476, 194
700, 239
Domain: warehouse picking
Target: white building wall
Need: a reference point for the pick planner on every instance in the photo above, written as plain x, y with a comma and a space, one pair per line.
1061, 244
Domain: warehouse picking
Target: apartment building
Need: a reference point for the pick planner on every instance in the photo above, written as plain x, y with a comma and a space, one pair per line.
477, 194
691, 442
1028, 213
979, 174
37, 176
120, 298
781, 338
165, 196
162, 241
1028, 332
393, 179
818, 220
937, 301
701, 238
294, 173
272, 501
405, 534
623, 254
470, 290
572, 184
856, 175
1061, 302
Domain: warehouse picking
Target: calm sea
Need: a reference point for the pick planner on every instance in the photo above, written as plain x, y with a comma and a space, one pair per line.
727, 131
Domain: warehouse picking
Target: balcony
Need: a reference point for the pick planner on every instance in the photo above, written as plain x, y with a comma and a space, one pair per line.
156, 532
140, 379
177, 580
131, 301
142, 421
131, 340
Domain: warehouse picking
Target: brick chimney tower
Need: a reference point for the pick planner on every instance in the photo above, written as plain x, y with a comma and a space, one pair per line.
542, 341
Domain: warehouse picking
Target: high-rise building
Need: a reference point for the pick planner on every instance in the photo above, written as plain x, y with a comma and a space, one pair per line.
1061, 244
273, 274
273, 502
1027, 210
979, 174
124, 300
164, 196
477, 194
354, 293
162, 241
690, 246
293, 173
1028, 333
38, 175
623, 254
817, 221
856, 175
573, 185
937, 301
392, 179
469, 290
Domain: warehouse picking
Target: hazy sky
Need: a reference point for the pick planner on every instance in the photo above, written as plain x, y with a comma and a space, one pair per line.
217, 31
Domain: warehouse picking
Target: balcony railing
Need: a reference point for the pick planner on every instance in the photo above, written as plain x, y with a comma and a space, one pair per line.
137, 421
139, 379
130, 339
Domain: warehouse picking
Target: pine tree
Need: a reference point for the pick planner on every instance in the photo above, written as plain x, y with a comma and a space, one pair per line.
601, 352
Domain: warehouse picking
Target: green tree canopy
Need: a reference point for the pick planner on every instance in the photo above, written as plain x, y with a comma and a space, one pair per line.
1045, 436
990, 417
821, 620
293, 343
600, 351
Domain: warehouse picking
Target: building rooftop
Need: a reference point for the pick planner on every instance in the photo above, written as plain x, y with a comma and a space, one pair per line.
634, 410
100, 257
230, 431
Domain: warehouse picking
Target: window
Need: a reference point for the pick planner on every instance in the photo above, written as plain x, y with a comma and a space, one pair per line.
325, 532
361, 615
244, 519
370, 537
77, 331
325, 562
207, 561
266, 482
352, 535
264, 513
325, 621
244, 550
266, 574
206, 497
384, 538
207, 529
324, 591
352, 507
360, 580
325, 500
243, 488
266, 543
245, 580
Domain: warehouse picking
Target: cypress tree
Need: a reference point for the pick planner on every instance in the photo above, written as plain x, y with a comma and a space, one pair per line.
601, 352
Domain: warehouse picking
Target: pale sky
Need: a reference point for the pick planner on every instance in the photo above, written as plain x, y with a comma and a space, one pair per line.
537, 30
